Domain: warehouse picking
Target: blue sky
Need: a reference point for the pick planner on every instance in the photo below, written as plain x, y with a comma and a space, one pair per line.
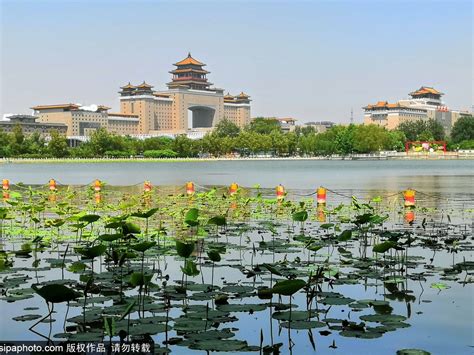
311, 60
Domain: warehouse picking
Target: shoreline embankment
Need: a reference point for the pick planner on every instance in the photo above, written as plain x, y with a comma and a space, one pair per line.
466, 155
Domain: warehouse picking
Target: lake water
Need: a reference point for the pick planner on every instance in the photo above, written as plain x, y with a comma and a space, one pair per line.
443, 176
440, 321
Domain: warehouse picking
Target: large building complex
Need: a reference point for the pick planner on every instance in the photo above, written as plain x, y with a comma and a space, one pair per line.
423, 104
189, 103
82, 121
29, 125
189, 106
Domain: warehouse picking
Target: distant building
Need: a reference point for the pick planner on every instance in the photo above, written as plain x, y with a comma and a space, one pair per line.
287, 124
189, 93
29, 125
81, 121
319, 127
145, 112
424, 104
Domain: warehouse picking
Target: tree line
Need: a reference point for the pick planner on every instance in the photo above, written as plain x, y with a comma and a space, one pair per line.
261, 136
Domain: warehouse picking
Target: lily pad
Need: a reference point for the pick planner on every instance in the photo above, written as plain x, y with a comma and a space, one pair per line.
27, 317
219, 345
412, 352
303, 324
242, 307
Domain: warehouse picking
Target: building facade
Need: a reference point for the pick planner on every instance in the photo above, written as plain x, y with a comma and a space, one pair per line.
189, 103
320, 126
29, 125
83, 121
189, 106
423, 104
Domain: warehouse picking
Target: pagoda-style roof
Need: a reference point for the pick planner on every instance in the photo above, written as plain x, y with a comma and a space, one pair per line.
49, 107
128, 86
103, 108
189, 60
384, 105
189, 70
424, 90
243, 95
228, 96
189, 81
144, 85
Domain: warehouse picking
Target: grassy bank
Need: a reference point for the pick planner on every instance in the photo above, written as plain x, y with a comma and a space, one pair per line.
393, 156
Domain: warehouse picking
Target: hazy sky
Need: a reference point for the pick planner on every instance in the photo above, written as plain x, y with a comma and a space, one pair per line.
311, 60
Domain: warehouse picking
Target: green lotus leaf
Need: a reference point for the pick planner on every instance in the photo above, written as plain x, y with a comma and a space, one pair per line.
303, 324
143, 246
300, 216
214, 256
412, 352
218, 221
288, 287
384, 246
184, 249
56, 293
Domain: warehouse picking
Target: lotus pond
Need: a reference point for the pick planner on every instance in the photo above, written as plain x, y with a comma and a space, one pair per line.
238, 273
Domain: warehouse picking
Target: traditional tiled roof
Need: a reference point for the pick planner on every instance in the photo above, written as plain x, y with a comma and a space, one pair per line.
144, 85
383, 104
49, 107
189, 70
426, 90
103, 108
243, 95
228, 97
386, 105
189, 60
128, 86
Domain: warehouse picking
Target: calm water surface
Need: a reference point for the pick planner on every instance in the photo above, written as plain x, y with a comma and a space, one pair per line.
447, 176
441, 322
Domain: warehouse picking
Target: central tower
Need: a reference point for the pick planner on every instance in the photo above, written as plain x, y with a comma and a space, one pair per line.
189, 105
189, 73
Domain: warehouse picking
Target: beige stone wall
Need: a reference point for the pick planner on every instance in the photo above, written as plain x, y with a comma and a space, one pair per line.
183, 100
122, 127
56, 116
238, 114
142, 108
160, 114
163, 115
78, 117
392, 120
73, 119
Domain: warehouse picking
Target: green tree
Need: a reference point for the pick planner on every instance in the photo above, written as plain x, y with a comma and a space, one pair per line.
369, 138
226, 128
395, 141
344, 138
102, 141
157, 143
463, 129
57, 146
5, 140
17, 141
264, 125
422, 130
186, 147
